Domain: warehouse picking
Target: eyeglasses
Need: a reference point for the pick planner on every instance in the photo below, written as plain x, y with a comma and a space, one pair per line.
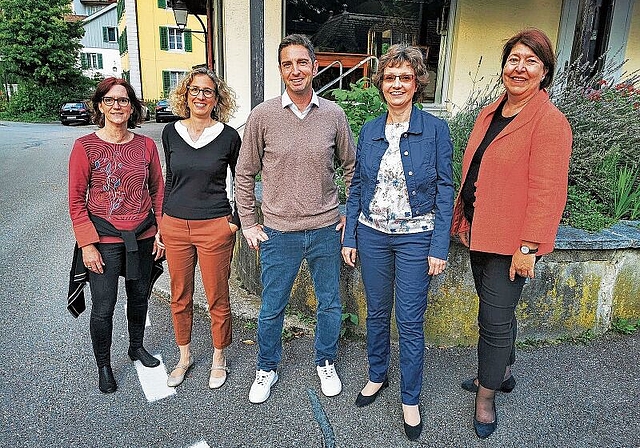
404, 78
195, 91
531, 62
109, 101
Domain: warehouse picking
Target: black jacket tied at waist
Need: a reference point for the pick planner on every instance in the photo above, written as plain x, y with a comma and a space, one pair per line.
79, 275
105, 228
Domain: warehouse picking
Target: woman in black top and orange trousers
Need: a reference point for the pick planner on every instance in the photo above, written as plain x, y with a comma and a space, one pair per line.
199, 224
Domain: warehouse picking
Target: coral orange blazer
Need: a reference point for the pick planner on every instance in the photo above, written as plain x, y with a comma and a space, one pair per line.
521, 189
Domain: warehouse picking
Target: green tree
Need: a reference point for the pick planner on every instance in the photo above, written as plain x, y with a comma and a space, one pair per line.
36, 42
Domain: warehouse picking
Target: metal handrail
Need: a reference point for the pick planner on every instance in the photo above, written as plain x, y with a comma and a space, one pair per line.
329, 66
348, 72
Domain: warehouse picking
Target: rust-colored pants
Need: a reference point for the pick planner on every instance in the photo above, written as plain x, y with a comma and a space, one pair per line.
210, 243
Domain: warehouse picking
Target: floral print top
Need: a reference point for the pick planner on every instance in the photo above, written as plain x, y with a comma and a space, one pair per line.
390, 211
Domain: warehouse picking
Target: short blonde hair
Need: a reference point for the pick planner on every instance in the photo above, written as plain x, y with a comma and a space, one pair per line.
396, 56
226, 97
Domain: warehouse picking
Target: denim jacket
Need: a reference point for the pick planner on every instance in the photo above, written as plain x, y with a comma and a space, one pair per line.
427, 152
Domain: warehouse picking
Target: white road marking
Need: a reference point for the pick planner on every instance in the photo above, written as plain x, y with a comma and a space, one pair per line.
154, 381
201, 444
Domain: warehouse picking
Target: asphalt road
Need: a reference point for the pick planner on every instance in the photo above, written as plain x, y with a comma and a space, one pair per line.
570, 395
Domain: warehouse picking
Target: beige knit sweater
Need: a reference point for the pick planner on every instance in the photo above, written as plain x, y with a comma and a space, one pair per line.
296, 158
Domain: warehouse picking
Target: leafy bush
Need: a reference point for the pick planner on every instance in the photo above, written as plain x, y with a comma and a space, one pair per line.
361, 103
32, 102
605, 119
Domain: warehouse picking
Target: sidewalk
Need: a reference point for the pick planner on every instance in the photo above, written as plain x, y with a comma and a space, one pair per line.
566, 395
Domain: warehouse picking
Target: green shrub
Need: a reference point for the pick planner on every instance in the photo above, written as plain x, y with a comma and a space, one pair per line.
361, 103
584, 212
34, 103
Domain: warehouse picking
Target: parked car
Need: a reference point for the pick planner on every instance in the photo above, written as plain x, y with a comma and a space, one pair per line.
164, 112
75, 112
146, 115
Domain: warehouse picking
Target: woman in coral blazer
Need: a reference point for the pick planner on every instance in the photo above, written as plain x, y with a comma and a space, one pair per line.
513, 193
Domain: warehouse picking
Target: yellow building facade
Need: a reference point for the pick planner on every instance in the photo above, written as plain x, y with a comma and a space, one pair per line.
157, 53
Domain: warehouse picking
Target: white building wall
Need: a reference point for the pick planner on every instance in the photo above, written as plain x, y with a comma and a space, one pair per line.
110, 60
131, 19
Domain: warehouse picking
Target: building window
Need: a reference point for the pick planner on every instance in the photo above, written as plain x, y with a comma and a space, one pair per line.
165, 4
170, 80
346, 35
91, 61
109, 34
175, 39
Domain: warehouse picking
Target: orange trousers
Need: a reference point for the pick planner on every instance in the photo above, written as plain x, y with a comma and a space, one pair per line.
209, 243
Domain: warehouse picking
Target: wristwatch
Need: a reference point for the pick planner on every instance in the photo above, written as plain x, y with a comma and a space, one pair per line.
527, 250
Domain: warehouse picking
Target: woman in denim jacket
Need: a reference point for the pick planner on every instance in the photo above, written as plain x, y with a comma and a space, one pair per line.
399, 214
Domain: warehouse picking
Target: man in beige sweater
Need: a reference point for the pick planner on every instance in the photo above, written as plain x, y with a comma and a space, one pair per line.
294, 140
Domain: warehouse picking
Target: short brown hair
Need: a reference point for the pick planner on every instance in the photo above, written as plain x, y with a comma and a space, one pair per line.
540, 44
396, 56
102, 89
225, 107
297, 39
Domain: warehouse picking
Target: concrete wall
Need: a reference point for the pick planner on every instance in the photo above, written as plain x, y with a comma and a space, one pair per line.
583, 285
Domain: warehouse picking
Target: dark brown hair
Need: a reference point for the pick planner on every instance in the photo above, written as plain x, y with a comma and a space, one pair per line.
540, 44
297, 39
102, 89
396, 56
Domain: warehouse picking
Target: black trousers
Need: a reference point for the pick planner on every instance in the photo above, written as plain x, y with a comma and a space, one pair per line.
496, 315
104, 294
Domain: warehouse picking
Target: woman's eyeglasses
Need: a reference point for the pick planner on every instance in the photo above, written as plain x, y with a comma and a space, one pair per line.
405, 78
109, 101
195, 91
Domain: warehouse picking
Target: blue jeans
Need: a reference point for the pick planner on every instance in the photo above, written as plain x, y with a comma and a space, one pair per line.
395, 261
280, 257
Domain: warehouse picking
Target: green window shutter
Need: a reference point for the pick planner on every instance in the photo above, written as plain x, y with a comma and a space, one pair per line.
166, 83
188, 45
83, 61
162, 4
164, 38
125, 42
100, 66
120, 9
105, 34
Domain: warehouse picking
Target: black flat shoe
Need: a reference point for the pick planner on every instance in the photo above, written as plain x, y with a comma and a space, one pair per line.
140, 354
484, 430
106, 381
507, 385
365, 400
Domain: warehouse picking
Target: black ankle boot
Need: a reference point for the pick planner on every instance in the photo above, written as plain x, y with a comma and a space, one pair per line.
106, 381
140, 354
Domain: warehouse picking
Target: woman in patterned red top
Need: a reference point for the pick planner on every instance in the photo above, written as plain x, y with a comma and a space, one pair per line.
115, 200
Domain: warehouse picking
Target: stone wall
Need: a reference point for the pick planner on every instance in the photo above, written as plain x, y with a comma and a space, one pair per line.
589, 280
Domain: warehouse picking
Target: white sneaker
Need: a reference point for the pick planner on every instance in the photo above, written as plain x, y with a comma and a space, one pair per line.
329, 380
261, 387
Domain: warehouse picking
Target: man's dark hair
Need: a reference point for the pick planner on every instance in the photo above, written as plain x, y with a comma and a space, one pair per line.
297, 39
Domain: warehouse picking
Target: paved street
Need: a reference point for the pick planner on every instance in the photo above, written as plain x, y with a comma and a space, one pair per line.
570, 395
